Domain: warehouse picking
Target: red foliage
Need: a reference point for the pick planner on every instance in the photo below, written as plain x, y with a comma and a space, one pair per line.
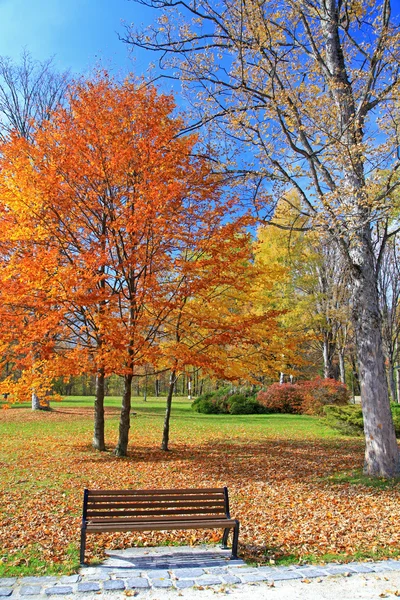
318, 392
304, 397
282, 398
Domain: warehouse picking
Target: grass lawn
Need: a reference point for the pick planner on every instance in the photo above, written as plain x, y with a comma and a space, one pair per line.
294, 483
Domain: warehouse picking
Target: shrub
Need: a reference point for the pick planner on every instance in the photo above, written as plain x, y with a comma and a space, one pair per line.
281, 398
349, 419
304, 397
239, 404
319, 392
224, 402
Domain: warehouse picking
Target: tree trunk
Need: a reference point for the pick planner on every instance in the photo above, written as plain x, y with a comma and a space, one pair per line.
125, 418
342, 368
381, 451
165, 438
98, 433
398, 384
391, 381
157, 387
328, 350
35, 401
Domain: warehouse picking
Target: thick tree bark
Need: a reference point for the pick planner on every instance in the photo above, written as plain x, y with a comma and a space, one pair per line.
35, 401
165, 438
381, 450
98, 433
39, 404
125, 418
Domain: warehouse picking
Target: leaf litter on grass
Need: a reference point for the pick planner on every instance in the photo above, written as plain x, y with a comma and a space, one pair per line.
279, 489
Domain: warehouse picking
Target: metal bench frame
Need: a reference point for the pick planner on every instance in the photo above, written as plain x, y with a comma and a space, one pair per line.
152, 510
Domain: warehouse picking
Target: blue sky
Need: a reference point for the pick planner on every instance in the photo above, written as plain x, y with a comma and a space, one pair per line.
79, 33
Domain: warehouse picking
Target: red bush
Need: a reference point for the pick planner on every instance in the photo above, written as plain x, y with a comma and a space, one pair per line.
318, 392
282, 398
304, 397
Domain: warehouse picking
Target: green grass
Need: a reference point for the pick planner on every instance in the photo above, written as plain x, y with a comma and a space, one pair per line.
312, 559
27, 563
357, 477
47, 460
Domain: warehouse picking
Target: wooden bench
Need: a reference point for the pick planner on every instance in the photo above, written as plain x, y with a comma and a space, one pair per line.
150, 510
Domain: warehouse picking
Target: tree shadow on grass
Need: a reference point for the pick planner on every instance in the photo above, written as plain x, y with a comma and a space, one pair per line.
244, 461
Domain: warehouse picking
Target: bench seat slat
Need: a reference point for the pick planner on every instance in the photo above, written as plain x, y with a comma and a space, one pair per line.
142, 513
127, 519
160, 525
158, 505
175, 492
167, 498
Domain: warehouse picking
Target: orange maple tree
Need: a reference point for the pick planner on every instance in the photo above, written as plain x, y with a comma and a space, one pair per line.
120, 225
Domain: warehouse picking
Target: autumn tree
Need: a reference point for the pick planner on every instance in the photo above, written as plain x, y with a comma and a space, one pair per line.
313, 288
312, 88
216, 324
29, 91
117, 195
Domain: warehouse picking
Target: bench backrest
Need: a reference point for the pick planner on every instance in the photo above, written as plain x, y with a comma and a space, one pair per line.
155, 505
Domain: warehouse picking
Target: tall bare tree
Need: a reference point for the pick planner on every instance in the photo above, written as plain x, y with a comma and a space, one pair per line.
312, 87
29, 91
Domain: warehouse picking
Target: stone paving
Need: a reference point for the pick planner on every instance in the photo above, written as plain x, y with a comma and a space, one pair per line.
142, 569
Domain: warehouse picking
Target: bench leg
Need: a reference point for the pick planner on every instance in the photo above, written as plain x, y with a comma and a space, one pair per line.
225, 539
83, 545
235, 540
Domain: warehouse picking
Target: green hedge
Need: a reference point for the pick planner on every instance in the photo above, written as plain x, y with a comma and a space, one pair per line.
224, 402
349, 419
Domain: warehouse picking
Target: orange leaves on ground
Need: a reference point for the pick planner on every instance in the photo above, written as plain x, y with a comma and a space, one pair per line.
279, 487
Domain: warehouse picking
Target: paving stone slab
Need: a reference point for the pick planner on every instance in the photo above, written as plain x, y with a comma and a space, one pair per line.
208, 580
100, 576
381, 567
88, 586
114, 584
125, 574
5, 592
394, 564
58, 590
180, 584
30, 590
269, 571
41, 580
158, 574
313, 572
216, 570
188, 573
360, 567
228, 578
7, 581
246, 570
137, 582
161, 583
283, 575
338, 569
253, 577
70, 578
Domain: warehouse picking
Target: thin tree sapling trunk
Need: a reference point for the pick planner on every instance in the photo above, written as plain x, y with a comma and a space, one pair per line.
98, 433
125, 418
165, 438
